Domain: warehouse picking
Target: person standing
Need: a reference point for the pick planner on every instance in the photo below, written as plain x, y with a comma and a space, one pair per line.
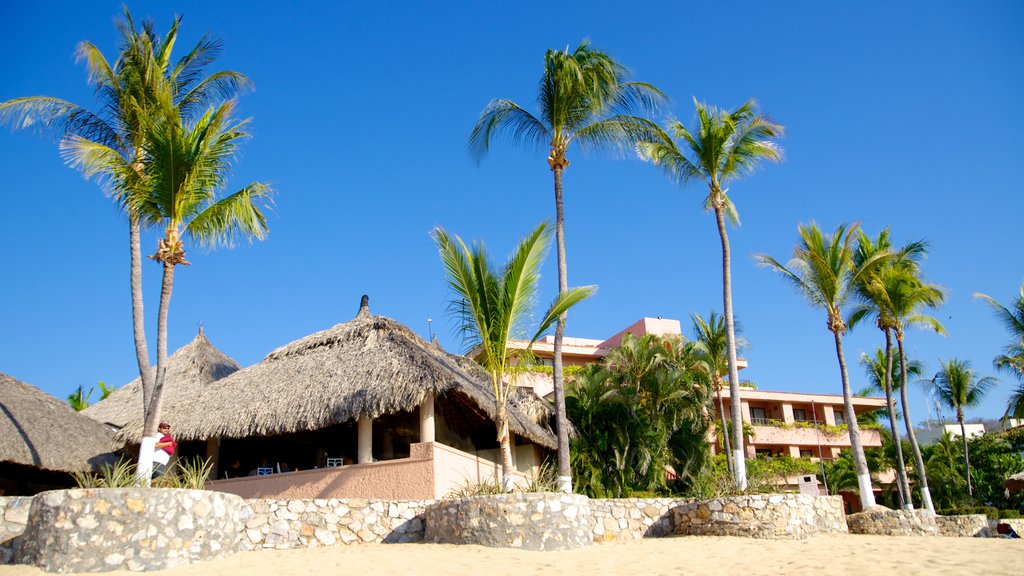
163, 449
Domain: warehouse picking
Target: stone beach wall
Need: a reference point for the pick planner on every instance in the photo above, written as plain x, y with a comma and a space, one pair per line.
282, 524
13, 517
762, 516
882, 521
626, 519
532, 521
964, 526
104, 529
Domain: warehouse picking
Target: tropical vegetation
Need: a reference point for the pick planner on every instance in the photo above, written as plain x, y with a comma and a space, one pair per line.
584, 98
1011, 360
724, 146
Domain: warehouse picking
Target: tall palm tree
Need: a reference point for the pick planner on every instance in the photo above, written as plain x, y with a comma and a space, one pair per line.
956, 387
111, 142
824, 270
711, 344
878, 293
584, 98
724, 146
1011, 360
493, 307
186, 165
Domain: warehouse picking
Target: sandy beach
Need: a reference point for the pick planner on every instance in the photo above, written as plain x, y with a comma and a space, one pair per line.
716, 556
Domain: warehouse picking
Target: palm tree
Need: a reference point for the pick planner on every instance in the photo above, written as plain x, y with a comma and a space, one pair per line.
725, 145
79, 399
186, 166
492, 308
711, 344
880, 292
1012, 358
956, 387
109, 144
584, 97
824, 270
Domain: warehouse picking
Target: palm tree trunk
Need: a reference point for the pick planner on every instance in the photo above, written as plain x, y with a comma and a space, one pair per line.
156, 404
739, 463
507, 464
561, 421
725, 430
922, 476
867, 494
967, 458
138, 318
906, 500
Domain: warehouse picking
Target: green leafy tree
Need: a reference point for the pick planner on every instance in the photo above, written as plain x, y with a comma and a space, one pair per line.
825, 272
994, 459
584, 98
941, 458
109, 145
1011, 360
711, 344
955, 386
79, 399
724, 146
492, 307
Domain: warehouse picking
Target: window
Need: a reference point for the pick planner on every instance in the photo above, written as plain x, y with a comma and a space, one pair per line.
764, 452
800, 415
839, 419
758, 416
806, 454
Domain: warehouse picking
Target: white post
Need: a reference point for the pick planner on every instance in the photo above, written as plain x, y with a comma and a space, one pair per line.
427, 430
365, 432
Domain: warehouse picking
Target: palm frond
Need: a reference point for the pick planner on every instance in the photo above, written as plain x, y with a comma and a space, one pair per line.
232, 218
506, 118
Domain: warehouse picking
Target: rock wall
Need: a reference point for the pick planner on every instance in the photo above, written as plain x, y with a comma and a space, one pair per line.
885, 522
536, 521
103, 529
965, 526
284, 524
761, 516
632, 518
13, 517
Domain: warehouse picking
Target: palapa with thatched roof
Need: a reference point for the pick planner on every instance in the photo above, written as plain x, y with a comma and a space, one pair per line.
1015, 483
191, 369
40, 431
365, 368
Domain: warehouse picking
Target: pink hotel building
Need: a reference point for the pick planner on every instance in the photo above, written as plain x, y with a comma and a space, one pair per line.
782, 422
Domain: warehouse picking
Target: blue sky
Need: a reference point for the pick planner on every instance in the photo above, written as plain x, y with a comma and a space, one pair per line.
898, 115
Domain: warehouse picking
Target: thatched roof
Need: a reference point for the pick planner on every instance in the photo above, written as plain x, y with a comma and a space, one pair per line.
369, 366
1014, 483
39, 430
191, 368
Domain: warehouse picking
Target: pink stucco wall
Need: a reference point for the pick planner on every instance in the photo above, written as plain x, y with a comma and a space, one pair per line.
773, 435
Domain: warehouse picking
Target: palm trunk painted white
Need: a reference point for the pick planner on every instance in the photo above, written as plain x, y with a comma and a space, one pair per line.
144, 471
967, 457
922, 475
156, 404
365, 432
739, 462
138, 316
727, 445
867, 494
561, 419
903, 483
427, 429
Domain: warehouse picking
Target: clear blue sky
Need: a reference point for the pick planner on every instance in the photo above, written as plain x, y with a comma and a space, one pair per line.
897, 114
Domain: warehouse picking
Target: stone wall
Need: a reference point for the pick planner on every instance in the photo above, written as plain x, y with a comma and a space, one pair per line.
885, 522
965, 526
535, 521
284, 524
761, 516
103, 529
632, 518
13, 517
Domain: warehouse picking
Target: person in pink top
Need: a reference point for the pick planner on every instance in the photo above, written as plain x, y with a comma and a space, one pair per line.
163, 449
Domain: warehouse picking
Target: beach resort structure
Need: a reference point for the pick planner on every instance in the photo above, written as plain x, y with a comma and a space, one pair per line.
364, 409
42, 440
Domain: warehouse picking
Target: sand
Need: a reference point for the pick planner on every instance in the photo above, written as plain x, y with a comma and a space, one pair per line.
718, 556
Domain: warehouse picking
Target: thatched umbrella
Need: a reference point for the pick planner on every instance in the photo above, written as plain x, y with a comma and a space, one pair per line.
368, 367
40, 431
190, 369
1014, 483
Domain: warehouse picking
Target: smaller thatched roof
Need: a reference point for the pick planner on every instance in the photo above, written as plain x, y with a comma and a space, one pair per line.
367, 367
39, 430
1015, 483
191, 368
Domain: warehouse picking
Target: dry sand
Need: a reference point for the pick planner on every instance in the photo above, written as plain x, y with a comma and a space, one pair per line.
718, 556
